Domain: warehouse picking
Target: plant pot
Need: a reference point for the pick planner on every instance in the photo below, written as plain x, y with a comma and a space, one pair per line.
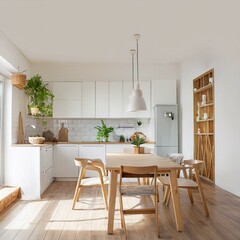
34, 111
138, 150
19, 80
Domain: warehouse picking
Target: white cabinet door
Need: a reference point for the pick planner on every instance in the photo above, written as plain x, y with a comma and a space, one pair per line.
64, 161
115, 99
67, 108
88, 100
67, 90
102, 99
164, 92
46, 167
67, 100
127, 90
92, 151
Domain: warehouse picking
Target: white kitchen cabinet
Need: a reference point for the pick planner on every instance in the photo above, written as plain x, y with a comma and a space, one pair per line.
92, 151
67, 108
115, 99
118, 148
46, 167
64, 155
102, 99
127, 90
67, 90
67, 99
30, 168
88, 100
164, 92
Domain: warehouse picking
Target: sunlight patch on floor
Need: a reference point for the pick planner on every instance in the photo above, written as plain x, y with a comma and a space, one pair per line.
27, 215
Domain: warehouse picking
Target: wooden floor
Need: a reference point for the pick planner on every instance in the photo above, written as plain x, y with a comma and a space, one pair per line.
52, 218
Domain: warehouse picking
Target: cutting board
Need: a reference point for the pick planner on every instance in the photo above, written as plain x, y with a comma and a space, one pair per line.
63, 134
20, 129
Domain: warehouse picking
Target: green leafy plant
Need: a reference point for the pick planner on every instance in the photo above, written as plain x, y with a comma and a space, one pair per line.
103, 132
39, 97
121, 138
138, 141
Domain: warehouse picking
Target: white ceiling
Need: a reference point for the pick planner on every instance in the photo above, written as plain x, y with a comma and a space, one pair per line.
101, 30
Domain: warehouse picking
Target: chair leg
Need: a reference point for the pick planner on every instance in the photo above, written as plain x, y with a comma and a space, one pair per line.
168, 197
190, 195
77, 190
203, 200
104, 192
156, 214
123, 225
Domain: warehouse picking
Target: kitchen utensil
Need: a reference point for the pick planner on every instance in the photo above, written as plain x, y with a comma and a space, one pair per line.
63, 134
20, 129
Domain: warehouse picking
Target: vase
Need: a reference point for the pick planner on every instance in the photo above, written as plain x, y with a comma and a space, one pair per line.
34, 111
138, 150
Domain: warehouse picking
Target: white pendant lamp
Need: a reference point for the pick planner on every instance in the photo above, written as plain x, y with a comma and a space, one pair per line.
136, 100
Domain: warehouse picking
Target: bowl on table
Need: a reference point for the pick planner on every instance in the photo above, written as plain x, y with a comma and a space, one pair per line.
36, 140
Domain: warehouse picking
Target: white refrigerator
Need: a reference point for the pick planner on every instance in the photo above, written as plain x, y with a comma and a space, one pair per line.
166, 129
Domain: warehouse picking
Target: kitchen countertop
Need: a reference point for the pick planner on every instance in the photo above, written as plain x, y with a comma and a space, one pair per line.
71, 142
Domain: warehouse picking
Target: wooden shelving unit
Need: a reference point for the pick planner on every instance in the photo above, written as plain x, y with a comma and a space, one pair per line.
203, 112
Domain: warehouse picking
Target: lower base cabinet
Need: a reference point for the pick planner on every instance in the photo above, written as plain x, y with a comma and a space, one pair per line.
46, 167
64, 161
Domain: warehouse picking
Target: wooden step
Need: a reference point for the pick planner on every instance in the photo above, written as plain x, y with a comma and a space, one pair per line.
8, 195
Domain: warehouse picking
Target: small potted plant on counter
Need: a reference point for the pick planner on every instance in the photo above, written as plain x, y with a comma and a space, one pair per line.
103, 132
138, 141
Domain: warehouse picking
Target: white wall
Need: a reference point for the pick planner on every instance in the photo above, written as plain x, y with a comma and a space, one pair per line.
102, 72
226, 64
14, 100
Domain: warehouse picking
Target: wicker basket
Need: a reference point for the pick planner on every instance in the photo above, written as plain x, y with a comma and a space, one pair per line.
36, 140
19, 80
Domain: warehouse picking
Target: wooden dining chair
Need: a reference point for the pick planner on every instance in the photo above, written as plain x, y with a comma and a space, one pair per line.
138, 190
96, 165
187, 182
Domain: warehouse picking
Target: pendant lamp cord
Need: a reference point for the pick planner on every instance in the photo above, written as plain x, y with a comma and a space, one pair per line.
133, 69
137, 62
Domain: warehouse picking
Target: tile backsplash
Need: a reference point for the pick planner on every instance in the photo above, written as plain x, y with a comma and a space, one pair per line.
84, 129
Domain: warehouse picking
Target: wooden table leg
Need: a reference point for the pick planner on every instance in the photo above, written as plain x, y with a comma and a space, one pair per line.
176, 200
112, 201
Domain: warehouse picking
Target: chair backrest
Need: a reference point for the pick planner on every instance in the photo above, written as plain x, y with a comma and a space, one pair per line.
176, 157
196, 164
138, 172
90, 164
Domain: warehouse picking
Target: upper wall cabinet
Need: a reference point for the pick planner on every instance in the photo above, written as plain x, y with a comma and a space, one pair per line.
88, 100
108, 99
67, 100
102, 99
115, 99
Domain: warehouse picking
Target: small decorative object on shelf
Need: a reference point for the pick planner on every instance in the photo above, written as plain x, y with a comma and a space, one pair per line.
121, 138
204, 99
203, 104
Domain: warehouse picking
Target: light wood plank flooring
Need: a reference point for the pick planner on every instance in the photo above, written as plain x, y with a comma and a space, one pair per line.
53, 219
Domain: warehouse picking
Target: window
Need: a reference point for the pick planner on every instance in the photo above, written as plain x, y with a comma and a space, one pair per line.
1, 130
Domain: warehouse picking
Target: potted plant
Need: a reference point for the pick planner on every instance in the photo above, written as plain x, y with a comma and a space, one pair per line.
138, 141
103, 132
40, 98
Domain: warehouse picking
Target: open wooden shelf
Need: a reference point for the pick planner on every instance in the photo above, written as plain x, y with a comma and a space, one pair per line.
204, 88
206, 105
204, 129
207, 120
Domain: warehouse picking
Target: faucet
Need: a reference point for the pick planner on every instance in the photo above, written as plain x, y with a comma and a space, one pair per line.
26, 127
